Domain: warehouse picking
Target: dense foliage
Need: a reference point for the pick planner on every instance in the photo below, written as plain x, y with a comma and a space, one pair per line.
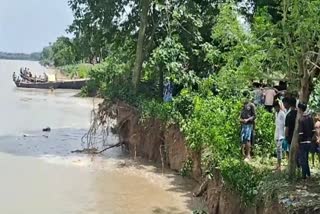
77, 71
62, 52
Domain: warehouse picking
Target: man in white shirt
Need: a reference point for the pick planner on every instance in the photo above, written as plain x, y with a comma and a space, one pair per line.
279, 132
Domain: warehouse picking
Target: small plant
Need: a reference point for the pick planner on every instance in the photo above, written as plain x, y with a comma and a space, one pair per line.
241, 177
187, 168
199, 212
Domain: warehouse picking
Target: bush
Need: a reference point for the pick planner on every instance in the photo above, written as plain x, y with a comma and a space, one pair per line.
264, 139
111, 78
241, 177
77, 71
214, 123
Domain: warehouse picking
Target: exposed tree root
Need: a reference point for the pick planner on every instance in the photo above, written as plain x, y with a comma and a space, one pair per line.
110, 147
95, 141
202, 189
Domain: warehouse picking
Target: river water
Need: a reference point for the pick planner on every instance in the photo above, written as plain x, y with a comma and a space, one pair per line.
39, 174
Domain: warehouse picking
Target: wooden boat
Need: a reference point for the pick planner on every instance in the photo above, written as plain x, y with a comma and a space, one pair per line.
39, 85
70, 84
51, 83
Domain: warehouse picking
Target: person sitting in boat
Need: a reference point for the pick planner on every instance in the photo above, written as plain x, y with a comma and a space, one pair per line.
14, 76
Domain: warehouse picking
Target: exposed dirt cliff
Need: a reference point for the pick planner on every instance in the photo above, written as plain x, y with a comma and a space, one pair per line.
152, 140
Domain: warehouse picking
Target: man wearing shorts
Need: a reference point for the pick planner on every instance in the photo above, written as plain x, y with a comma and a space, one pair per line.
247, 118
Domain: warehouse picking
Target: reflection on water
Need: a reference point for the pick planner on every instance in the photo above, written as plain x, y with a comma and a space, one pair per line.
40, 175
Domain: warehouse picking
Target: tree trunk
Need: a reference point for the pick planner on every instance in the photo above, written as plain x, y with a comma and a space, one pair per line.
303, 97
136, 75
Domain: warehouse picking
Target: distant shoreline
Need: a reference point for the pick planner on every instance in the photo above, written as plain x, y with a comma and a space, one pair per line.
33, 60
20, 56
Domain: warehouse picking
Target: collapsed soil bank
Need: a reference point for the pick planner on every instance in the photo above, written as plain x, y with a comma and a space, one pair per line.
154, 141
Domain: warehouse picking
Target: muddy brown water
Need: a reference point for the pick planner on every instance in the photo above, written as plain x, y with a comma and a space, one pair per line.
40, 175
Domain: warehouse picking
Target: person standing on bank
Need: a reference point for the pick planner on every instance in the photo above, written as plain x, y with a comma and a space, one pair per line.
269, 95
258, 95
279, 132
306, 131
247, 117
290, 123
315, 145
168, 89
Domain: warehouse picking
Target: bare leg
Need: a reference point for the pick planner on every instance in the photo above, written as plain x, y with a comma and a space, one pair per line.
248, 147
243, 149
279, 153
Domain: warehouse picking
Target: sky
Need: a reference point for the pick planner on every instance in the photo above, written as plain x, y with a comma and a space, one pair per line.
29, 25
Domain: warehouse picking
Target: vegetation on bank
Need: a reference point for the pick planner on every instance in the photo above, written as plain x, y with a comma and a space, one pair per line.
211, 57
76, 71
20, 56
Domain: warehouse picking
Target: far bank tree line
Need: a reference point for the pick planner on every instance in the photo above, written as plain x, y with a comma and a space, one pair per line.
230, 44
20, 56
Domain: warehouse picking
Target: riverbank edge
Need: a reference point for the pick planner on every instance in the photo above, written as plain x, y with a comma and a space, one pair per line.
153, 140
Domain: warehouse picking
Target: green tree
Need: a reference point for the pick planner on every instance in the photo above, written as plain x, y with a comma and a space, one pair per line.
63, 52
46, 56
301, 39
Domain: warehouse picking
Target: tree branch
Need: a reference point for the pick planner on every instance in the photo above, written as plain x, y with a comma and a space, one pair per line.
313, 71
315, 66
150, 40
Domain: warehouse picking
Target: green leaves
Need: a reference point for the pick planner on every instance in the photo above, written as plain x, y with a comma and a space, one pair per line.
61, 52
315, 98
264, 138
241, 177
214, 124
77, 71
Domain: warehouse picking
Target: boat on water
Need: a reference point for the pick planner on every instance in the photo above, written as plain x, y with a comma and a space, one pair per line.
39, 85
72, 84
48, 82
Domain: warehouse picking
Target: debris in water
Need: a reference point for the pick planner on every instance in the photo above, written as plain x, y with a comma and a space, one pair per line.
86, 151
28, 135
47, 129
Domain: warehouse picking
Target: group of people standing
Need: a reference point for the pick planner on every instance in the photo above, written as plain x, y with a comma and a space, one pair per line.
266, 95
308, 130
286, 109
